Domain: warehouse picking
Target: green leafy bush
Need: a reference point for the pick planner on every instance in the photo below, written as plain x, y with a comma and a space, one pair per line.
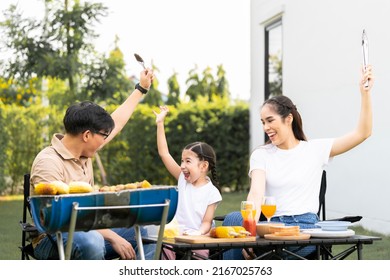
2, 149
25, 132
132, 156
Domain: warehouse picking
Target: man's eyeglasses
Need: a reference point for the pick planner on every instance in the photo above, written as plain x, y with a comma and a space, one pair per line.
105, 135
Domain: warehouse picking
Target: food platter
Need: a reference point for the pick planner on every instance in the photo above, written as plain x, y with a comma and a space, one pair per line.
52, 213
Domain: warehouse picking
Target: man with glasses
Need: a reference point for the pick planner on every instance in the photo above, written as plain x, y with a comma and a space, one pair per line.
88, 127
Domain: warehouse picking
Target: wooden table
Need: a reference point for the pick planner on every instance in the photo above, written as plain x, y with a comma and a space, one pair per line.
276, 249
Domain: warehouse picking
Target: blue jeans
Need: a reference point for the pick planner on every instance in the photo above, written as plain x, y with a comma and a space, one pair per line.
91, 245
304, 221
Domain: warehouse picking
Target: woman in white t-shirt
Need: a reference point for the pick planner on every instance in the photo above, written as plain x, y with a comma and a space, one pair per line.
289, 167
198, 194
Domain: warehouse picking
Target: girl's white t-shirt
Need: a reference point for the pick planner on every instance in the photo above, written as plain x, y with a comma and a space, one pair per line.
193, 202
293, 176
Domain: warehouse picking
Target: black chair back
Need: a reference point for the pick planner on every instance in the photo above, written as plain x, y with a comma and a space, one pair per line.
28, 230
321, 210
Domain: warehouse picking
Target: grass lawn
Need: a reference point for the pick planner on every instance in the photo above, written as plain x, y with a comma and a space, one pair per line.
11, 214
10, 232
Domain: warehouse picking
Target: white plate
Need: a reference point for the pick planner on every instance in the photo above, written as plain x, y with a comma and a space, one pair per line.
334, 225
317, 232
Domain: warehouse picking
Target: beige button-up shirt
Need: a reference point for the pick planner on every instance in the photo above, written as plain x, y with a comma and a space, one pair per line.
56, 163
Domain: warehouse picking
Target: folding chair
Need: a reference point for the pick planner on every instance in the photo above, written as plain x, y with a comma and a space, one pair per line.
322, 212
29, 231
326, 251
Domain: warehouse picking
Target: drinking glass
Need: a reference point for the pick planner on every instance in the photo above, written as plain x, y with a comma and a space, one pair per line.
268, 207
248, 212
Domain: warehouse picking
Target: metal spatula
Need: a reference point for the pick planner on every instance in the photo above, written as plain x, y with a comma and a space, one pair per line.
365, 52
140, 60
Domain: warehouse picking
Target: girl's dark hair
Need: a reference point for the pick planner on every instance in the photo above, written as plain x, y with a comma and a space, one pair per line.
87, 115
283, 106
205, 152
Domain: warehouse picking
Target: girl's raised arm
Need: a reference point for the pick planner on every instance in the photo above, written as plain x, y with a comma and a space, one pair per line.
162, 144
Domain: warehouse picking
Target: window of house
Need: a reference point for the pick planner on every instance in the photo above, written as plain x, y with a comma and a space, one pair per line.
273, 59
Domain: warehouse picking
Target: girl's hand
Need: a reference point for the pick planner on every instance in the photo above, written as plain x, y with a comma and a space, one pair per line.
161, 116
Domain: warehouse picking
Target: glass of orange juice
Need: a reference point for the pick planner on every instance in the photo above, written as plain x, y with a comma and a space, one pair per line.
248, 212
268, 207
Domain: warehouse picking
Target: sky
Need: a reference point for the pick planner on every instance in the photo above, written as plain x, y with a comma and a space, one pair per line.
176, 35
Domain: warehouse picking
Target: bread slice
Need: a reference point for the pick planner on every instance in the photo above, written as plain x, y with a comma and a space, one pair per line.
285, 230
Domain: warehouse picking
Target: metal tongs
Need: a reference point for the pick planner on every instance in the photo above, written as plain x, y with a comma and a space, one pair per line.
140, 60
365, 52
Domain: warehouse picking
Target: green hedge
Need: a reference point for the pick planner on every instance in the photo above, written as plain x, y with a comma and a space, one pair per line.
2, 149
132, 156
25, 131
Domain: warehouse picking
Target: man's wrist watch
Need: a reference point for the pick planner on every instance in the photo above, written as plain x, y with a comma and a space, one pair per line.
141, 89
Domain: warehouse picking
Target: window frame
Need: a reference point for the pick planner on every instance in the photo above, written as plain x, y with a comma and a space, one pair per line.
267, 28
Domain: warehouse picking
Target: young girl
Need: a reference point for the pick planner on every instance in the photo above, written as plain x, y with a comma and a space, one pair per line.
198, 195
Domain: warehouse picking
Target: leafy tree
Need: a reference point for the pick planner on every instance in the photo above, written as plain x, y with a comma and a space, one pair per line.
3, 141
56, 91
222, 89
107, 80
154, 96
173, 90
194, 85
17, 36
27, 131
206, 84
59, 46
22, 94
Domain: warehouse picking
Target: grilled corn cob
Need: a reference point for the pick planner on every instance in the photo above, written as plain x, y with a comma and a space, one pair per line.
145, 184
62, 188
242, 232
223, 232
80, 187
229, 232
45, 189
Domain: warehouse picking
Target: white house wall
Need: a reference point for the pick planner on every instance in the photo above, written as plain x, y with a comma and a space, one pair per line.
321, 70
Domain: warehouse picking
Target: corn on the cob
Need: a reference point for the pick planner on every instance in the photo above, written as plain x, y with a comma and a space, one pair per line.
242, 232
171, 232
145, 184
45, 189
62, 188
223, 232
80, 187
136, 185
229, 232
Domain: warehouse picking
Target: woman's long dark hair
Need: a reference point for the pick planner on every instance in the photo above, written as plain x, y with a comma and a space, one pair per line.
283, 106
